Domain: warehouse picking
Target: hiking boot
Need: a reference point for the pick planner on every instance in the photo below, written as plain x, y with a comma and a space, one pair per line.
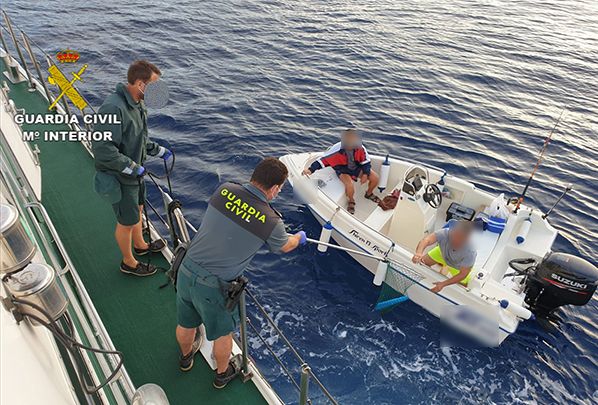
222, 379
154, 247
142, 269
186, 362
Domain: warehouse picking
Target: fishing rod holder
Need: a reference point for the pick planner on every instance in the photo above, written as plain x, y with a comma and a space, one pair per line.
568, 188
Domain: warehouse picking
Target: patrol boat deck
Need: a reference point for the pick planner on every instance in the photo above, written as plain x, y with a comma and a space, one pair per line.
139, 317
50, 183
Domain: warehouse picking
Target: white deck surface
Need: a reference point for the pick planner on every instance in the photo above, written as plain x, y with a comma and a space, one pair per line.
31, 371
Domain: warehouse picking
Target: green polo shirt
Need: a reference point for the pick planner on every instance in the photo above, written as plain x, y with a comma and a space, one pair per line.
130, 142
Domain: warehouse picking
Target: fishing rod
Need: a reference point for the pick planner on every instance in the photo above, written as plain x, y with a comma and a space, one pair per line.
540, 159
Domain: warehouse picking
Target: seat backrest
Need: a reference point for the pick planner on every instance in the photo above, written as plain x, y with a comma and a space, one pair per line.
408, 222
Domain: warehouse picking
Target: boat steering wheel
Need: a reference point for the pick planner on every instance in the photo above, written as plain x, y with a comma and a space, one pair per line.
433, 195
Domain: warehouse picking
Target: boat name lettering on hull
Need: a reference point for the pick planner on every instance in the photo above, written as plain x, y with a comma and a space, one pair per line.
363, 240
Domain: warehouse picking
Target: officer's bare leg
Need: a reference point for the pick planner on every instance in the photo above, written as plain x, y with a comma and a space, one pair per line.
185, 337
123, 236
223, 346
138, 240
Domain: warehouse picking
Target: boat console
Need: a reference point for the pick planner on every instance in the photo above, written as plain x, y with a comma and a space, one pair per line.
415, 213
414, 180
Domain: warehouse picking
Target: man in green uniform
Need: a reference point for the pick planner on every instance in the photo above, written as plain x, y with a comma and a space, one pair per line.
119, 163
238, 222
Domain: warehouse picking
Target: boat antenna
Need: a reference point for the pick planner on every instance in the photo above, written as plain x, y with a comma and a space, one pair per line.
540, 159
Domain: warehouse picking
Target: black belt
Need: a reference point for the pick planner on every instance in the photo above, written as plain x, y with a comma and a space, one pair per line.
231, 290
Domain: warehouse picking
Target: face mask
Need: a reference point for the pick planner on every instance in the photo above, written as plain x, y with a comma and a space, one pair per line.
276, 193
155, 94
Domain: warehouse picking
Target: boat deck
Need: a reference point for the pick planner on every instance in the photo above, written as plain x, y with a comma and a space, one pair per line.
139, 316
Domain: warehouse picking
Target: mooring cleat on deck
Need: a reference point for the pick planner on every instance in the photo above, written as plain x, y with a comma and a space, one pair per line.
154, 247
186, 362
142, 269
222, 379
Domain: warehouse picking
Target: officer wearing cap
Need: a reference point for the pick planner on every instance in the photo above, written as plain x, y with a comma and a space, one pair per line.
119, 164
238, 222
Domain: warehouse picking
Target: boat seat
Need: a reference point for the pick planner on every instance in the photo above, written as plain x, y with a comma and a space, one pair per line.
378, 218
330, 184
484, 242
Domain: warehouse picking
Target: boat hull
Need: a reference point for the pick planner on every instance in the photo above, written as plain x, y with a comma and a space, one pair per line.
362, 233
438, 305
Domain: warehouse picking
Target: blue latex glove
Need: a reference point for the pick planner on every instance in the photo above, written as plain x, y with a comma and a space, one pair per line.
140, 171
166, 153
302, 238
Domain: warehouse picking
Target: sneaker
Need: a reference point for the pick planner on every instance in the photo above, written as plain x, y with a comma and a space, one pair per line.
221, 380
154, 247
142, 269
186, 362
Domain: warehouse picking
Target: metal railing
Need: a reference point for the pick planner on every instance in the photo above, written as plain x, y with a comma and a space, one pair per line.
97, 333
178, 221
307, 373
92, 327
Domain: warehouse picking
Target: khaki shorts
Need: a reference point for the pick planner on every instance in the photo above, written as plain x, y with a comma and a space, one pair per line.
199, 300
127, 209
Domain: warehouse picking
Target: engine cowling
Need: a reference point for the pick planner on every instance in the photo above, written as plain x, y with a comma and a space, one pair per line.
560, 279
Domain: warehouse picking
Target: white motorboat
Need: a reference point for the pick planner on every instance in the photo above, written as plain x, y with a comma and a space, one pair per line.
498, 294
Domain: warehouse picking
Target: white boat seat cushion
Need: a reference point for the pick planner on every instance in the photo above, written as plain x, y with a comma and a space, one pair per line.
484, 243
378, 218
330, 184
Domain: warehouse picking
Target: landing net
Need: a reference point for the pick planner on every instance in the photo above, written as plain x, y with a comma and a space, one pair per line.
399, 278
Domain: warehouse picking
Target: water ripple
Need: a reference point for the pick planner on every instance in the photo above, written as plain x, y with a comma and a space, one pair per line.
471, 86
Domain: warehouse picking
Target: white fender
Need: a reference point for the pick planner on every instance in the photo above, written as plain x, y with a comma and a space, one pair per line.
325, 236
384, 172
516, 309
380, 273
524, 230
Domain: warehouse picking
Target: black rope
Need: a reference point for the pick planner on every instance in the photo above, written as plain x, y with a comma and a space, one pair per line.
70, 344
168, 171
147, 226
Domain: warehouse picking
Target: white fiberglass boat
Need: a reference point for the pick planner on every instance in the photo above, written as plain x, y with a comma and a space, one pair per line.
499, 295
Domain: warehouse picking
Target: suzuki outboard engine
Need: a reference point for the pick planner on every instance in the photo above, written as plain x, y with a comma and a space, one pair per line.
560, 279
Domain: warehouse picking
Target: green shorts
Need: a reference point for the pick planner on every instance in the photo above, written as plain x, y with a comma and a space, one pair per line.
127, 209
436, 255
198, 303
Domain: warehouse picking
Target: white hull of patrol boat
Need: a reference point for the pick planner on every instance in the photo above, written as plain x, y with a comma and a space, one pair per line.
396, 232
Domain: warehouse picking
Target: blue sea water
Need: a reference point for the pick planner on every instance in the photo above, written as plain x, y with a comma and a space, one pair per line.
473, 86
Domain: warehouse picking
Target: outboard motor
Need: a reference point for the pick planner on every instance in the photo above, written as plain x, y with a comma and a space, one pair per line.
560, 279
